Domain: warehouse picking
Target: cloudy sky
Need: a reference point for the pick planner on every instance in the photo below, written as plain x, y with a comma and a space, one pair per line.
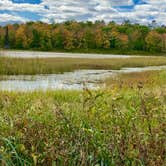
137, 11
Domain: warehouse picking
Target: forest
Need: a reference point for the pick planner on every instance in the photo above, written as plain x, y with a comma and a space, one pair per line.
73, 35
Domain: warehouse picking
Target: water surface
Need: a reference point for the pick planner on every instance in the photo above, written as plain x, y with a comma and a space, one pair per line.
39, 54
92, 79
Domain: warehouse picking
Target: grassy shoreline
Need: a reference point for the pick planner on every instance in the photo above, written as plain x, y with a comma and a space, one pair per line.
114, 126
32, 66
135, 79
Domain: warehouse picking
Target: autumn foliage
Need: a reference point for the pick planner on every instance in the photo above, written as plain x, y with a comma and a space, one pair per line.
84, 35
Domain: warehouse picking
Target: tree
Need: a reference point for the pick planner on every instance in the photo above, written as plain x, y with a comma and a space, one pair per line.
98, 38
12, 35
58, 38
164, 42
68, 40
136, 39
2, 35
23, 37
122, 41
153, 41
45, 43
79, 40
83, 35
113, 38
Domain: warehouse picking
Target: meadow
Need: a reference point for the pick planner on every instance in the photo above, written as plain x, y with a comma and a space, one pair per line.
32, 66
123, 124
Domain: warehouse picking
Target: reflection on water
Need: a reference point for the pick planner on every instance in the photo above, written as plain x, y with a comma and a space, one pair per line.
70, 80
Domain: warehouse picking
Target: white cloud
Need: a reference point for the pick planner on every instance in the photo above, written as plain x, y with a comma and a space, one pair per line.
11, 18
10, 6
82, 10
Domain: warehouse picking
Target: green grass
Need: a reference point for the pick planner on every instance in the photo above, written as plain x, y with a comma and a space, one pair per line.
15, 66
114, 126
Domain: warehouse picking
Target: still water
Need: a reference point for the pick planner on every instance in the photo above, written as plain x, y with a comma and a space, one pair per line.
92, 79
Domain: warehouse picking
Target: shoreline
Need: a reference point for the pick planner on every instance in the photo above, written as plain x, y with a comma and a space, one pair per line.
68, 54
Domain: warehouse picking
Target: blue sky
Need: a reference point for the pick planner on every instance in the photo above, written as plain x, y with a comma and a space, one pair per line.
137, 11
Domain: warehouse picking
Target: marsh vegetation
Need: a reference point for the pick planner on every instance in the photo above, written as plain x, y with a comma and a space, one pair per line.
119, 125
32, 66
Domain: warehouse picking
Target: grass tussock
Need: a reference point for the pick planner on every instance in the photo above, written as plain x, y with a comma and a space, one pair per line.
116, 126
15, 66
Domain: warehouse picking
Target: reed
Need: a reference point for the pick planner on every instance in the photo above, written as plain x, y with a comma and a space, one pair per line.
16, 66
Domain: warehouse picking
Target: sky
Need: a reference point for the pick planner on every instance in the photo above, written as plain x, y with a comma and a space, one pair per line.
137, 11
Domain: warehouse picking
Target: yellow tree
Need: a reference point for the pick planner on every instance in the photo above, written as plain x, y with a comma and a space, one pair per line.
79, 39
119, 40
98, 38
68, 39
23, 37
154, 41
107, 38
123, 41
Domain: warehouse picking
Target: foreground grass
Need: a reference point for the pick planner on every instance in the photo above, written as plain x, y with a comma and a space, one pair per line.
15, 66
116, 126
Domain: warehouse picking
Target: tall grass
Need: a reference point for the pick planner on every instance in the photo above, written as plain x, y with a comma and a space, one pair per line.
115, 126
137, 79
15, 66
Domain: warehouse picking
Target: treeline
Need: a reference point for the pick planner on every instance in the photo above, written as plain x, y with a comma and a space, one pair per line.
83, 35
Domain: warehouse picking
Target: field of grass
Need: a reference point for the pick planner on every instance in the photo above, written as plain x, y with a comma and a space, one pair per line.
15, 66
121, 125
